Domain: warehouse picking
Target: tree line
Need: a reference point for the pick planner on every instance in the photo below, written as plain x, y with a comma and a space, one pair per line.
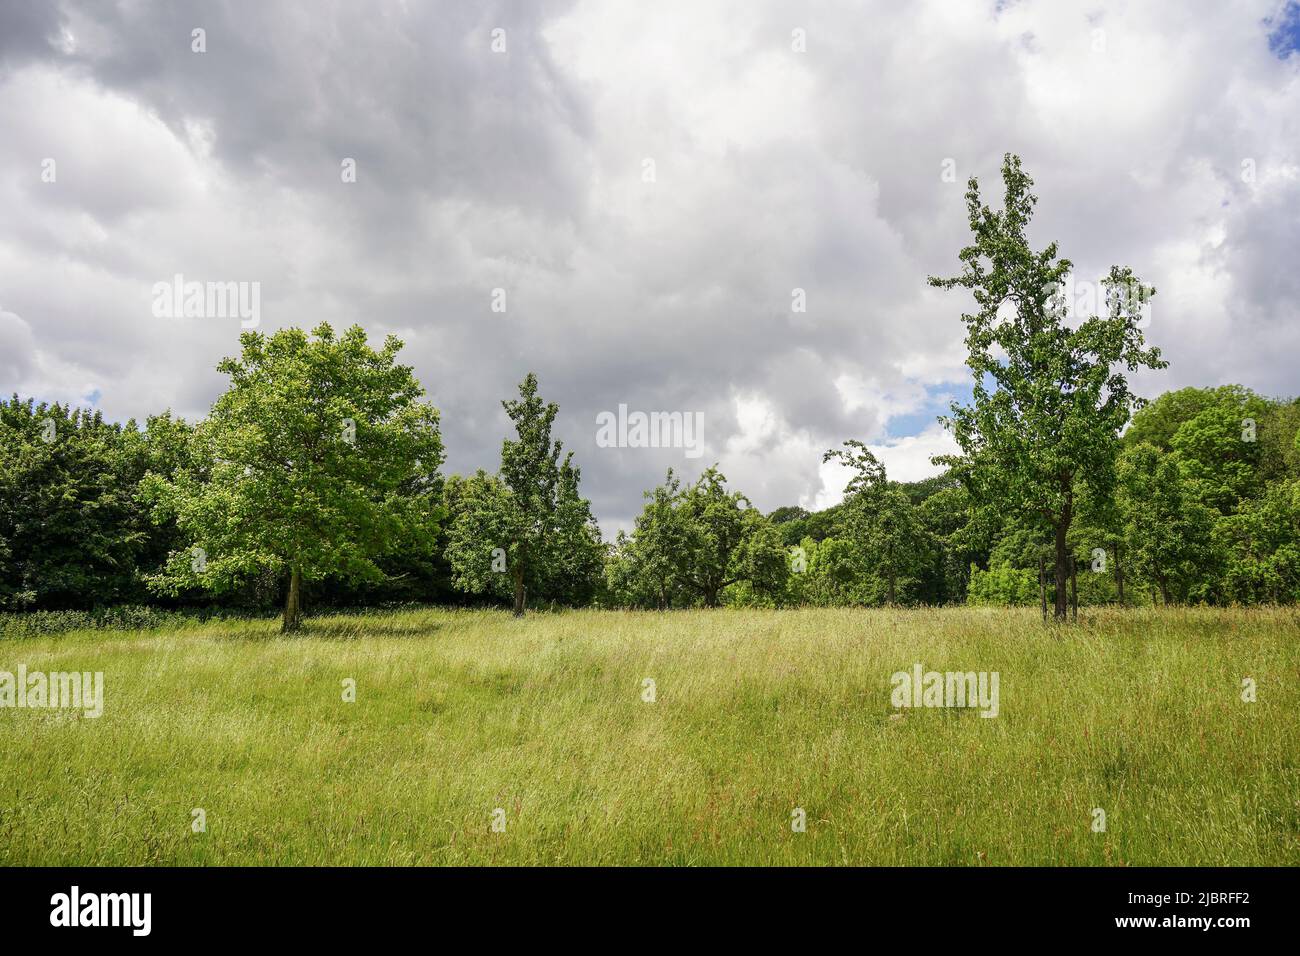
270, 496
316, 478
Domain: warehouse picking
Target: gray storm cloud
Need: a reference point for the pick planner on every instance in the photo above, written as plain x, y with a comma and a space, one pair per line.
525, 169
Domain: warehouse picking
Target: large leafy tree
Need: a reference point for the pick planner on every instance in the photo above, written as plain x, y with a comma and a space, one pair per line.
320, 458
1050, 396
528, 526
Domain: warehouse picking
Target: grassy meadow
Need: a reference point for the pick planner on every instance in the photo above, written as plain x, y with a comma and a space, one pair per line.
458, 713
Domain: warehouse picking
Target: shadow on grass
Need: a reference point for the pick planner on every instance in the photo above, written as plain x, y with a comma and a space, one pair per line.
328, 630
353, 630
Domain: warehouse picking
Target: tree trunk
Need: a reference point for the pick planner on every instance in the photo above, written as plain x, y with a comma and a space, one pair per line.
1119, 574
891, 585
293, 602
520, 593
1164, 591
1062, 573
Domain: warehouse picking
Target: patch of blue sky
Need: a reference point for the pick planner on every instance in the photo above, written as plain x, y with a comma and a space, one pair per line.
938, 398
1284, 30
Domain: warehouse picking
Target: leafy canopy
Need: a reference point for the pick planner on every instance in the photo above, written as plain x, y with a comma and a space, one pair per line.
319, 458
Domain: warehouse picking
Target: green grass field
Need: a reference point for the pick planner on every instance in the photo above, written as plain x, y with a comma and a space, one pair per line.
756, 713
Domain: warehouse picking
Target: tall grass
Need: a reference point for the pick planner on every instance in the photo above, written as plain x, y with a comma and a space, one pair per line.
756, 713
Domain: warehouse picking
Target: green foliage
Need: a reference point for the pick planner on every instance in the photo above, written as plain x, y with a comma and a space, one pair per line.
833, 575
691, 544
527, 529
946, 515
795, 523
1261, 545
1002, 586
1158, 421
72, 532
319, 459
1219, 452
883, 523
321, 455
1050, 397
1279, 440
1166, 528
482, 525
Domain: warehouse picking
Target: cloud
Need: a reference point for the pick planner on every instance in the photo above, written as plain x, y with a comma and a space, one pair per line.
33, 372
774, 170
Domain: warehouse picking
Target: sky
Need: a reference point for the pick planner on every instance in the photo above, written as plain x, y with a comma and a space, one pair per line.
623, 198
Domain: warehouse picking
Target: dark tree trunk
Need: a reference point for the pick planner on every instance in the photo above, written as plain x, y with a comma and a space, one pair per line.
1119, 574
293, 602
520, 593
1062, 572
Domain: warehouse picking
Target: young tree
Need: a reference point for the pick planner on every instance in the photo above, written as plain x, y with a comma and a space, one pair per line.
1049, 396
530, 523
692, 543
318, 459
727, 541
881, 518
646, 568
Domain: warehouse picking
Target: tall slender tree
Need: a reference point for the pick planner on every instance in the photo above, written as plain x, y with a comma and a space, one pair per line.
1050, 396
530, 522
